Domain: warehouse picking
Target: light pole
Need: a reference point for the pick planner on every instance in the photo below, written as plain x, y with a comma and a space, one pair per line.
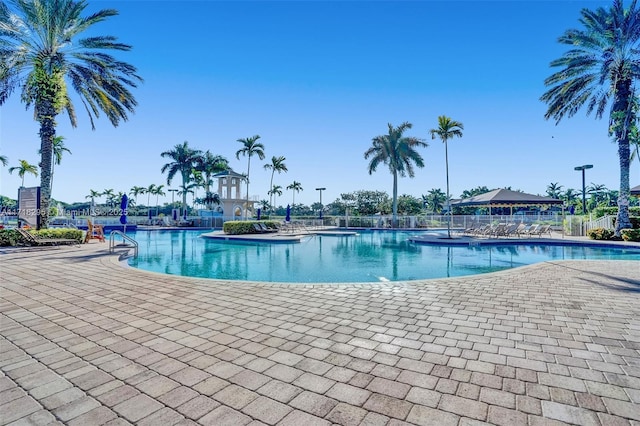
584, 197
320, 189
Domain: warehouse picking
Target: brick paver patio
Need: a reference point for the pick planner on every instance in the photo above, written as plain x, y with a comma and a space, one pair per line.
86, 341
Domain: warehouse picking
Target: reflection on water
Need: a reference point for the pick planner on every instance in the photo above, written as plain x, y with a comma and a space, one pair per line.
366, 257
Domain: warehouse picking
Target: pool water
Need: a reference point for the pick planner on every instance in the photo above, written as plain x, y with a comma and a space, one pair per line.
369, 256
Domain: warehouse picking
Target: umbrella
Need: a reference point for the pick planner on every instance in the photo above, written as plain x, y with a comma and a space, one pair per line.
123, 209
259, 214
288, 218
174, 215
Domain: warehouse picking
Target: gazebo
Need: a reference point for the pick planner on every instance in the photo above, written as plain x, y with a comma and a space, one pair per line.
506, 198
635, 191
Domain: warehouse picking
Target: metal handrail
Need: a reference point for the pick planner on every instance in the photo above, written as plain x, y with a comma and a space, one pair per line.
132, 243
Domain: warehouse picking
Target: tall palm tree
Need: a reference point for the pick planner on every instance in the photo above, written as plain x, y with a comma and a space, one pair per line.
275, 190
184, 161
554, 189
294, 187
23, 168
209, 164
158, 191
398, 153
109, 196
4, 160
43, 54
599, 71
150, 191
276, 165
447, 129
250, 147
57, 149
137, 190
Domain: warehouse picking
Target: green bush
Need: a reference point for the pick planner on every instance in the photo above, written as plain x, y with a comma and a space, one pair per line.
67, 233
239, 227
635, 222
10, 238
630, 234
600, 234
612, 211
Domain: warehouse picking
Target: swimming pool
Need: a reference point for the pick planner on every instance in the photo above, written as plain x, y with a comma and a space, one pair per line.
368, 256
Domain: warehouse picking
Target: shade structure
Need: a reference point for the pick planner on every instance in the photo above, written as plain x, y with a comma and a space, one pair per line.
288, 217
123, 209
259, 214
635, 191
506, 198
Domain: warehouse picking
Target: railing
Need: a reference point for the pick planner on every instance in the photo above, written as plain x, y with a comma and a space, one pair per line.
603, 222
130, 242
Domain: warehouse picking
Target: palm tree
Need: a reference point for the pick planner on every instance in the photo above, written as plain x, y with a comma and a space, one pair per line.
57, 148
24, 168
277, 165
137, 190
435, 200
210, 164
250, 147
158, 191
447, 129
600, 68
43, 55
4, 160
294, 187
93, 194
149, 191
184, 161
398, 153
110, 196
554, 189
275, 190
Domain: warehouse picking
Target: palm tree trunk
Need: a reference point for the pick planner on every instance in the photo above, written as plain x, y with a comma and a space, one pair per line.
272, 196
394, 218
46, 116
446, 161
622, 103
246, 207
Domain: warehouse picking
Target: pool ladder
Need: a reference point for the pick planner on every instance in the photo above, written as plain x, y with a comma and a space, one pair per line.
127, 242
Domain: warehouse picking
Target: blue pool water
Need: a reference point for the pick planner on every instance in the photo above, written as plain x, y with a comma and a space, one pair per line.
368, 256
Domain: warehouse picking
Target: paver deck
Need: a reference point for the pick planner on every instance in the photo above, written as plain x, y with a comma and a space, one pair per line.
86, 341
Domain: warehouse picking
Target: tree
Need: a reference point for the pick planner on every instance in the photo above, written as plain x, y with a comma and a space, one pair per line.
93, 194
158, 191
399, 154
447, 129
599, 70
276, 165
275, 190
57, 149
23, 168
4, 160
184, 161
42, 54
435, 200
110, 196
250, 147
554, 189
137, 190
210, 164
294, 187
149, 191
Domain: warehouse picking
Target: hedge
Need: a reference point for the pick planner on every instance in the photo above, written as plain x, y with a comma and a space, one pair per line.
238, 227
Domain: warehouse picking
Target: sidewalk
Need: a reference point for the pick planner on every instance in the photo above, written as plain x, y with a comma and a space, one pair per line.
86, 341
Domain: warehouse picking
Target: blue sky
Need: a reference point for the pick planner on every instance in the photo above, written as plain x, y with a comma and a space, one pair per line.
318, 80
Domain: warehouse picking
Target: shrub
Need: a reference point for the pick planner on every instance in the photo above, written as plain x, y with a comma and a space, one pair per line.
635, 222
10, 238
600, 234
239, 227
612, 211
67, 233
630, 234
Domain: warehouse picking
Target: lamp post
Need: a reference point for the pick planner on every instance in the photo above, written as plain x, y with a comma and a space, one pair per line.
584, 198
320, 189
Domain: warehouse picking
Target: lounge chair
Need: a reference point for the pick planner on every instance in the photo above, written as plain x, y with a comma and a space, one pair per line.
38, 241
540, 230
265, 228
94, 232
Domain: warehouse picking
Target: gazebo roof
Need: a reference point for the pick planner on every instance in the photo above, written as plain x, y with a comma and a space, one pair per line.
635, 191
506, 198
229, 173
